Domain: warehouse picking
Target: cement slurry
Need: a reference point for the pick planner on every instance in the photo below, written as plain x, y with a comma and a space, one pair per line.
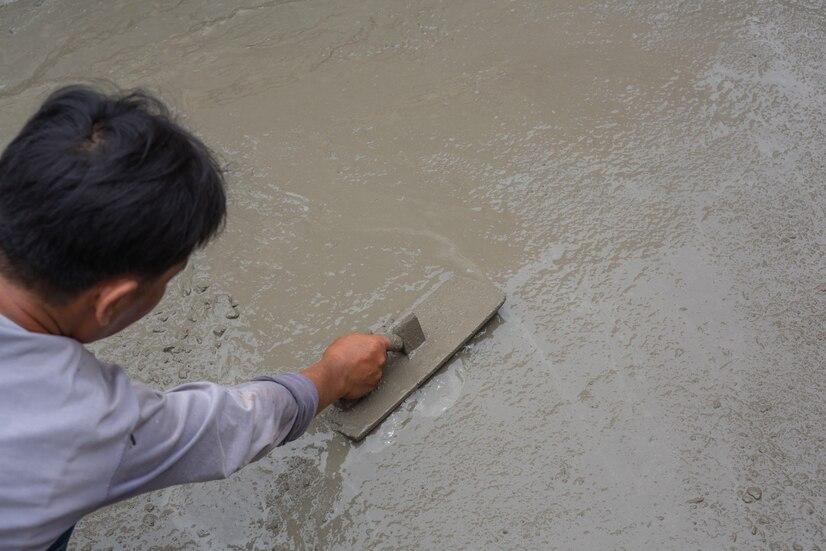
645, 181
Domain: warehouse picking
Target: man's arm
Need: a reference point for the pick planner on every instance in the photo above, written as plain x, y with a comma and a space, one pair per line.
203, 431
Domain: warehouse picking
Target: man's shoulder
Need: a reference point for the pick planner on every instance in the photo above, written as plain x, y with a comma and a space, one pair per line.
68, 419
57, 377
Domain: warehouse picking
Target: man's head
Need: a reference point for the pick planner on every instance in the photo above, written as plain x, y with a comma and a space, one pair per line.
102, 200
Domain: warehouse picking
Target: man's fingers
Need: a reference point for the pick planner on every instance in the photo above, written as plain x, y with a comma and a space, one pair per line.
385, 341
392, 342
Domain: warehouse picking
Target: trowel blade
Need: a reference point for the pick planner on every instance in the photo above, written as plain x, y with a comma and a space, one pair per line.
449, 316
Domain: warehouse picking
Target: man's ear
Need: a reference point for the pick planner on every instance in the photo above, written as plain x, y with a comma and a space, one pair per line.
112, 296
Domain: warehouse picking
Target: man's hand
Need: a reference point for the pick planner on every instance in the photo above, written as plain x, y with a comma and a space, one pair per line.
350, 367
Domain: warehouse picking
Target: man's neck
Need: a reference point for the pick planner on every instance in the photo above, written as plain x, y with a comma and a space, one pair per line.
23, 308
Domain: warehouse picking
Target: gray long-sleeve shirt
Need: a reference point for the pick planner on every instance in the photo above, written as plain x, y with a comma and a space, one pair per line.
77, 434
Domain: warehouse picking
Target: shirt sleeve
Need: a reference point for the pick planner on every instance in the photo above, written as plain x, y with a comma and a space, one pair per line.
203, 431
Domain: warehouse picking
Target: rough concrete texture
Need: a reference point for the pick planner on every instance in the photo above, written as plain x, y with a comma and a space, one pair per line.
645, 181
451, 314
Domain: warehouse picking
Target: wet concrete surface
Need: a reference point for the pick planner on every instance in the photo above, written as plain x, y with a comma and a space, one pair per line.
645, 181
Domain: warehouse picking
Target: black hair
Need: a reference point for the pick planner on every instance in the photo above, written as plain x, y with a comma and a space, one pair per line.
98, 185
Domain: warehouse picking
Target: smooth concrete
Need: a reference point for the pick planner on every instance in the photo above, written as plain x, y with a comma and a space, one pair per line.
644, 180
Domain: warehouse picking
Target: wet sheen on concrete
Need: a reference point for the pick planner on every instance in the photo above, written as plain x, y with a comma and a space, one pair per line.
645, 181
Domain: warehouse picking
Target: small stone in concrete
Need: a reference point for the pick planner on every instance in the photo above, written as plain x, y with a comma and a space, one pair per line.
698, 499
754, 492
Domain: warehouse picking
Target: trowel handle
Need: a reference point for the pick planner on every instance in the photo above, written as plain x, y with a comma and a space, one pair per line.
396, 342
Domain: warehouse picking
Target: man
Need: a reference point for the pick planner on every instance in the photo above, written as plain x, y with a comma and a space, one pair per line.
102, 201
